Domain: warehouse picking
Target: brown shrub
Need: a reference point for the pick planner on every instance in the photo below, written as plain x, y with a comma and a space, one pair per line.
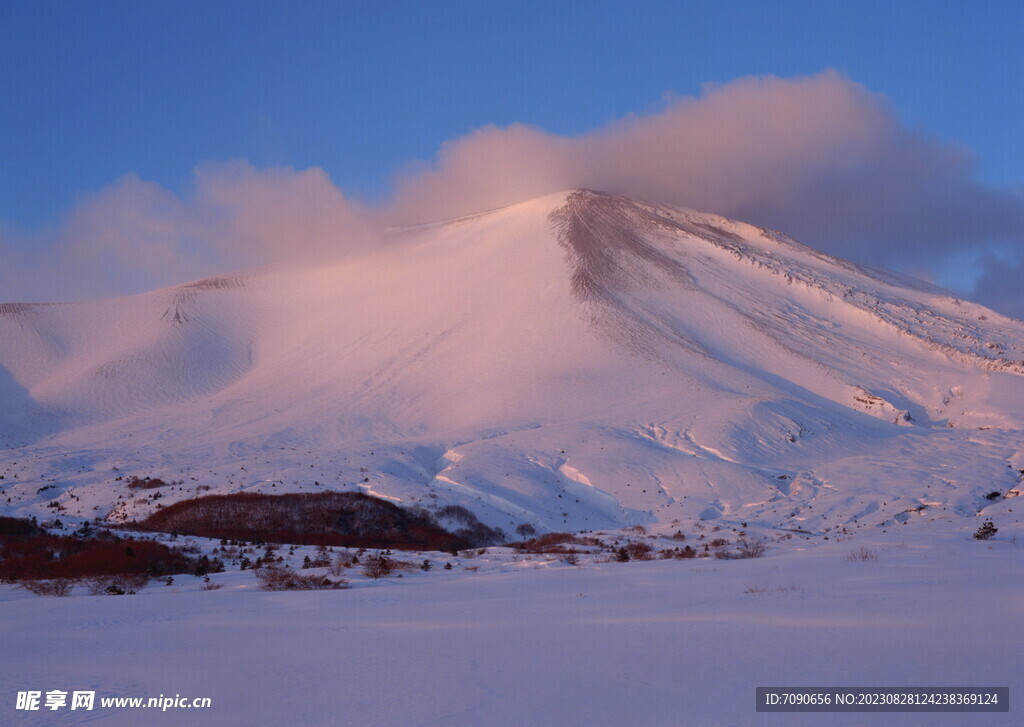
54, 587
275, 578
378, 566
639, 551
145, 483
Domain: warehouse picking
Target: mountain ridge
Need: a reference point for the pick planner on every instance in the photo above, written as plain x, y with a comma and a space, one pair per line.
579, 360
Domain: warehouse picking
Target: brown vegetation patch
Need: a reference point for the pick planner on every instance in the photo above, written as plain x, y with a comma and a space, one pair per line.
30, 553
349, 519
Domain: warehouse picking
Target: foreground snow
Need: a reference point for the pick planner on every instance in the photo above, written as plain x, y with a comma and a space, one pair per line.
539, 642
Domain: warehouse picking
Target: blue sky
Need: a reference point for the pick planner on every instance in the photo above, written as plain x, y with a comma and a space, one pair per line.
98, 89
110, 103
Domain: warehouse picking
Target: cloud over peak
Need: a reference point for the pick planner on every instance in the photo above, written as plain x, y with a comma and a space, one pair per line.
821, 158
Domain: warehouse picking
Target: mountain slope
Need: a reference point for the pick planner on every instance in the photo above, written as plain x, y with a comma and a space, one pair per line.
576, 361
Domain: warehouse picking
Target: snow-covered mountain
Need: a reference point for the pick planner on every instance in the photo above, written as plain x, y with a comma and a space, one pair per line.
577, 361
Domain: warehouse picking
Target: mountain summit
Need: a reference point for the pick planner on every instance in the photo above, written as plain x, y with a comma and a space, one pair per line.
577, 361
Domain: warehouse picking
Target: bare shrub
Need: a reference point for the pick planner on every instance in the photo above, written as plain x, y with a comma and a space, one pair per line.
54, 587
275, 578
212, 586
747, 548
378, 566
862, 554
344, 559
572, 559
339, 566
756, 588
97, 585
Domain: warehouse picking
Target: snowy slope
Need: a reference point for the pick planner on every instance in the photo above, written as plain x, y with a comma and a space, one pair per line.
573, 362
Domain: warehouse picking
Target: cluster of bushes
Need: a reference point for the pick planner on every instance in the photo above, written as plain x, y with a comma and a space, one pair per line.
52, 565
570, 544
145, 483
119, 585
27, 552
557, 543
383, 565
634, 551
349, 519
276, 578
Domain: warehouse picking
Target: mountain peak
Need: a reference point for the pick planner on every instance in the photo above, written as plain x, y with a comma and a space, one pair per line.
581, 360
